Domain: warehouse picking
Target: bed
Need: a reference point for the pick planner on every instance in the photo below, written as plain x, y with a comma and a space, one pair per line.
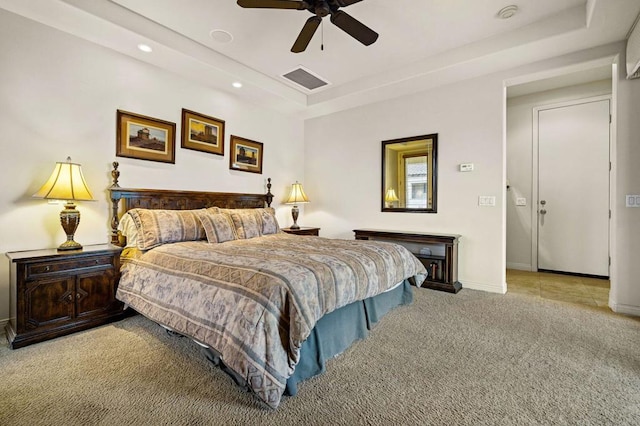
268, 307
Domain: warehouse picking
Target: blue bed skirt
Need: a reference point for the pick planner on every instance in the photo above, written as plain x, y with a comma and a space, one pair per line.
332, 335
336, 331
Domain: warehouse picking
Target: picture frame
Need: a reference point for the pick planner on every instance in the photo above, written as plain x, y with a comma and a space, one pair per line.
145, 138
245, 155
202, 133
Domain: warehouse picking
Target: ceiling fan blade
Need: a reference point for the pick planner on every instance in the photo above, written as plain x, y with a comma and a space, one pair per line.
306, 34
273, 4
345, 3
354, 28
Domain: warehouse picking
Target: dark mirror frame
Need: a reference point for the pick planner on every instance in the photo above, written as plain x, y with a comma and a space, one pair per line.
433, 183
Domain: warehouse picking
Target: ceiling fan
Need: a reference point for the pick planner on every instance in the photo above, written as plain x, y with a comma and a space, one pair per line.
320, 9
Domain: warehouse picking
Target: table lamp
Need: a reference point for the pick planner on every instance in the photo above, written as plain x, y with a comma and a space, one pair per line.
296, 196
391, 197
67, 183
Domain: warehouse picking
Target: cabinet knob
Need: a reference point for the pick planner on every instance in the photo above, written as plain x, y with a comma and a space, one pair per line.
77, 295
47, 268
70, 297
97, 261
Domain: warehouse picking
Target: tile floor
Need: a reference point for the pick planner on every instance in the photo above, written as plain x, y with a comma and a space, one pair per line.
566, 288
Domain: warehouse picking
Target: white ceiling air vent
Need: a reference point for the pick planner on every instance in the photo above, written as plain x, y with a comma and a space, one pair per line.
305, 79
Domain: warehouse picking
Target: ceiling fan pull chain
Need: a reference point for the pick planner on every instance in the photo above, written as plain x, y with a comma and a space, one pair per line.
322, 36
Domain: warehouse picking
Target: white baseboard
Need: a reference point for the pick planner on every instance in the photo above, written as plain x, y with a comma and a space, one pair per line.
519, 266
619, 308
491, 288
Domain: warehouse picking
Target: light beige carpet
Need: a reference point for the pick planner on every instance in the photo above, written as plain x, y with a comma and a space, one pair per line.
468, 359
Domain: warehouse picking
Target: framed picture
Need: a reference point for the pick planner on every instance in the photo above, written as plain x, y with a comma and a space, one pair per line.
202, 133
246, 155
145, 138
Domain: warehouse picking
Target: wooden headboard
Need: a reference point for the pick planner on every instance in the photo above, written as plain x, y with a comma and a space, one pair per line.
175, 200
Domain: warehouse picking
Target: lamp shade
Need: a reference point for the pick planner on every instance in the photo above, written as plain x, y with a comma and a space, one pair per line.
391, 196
297, 195
65, 183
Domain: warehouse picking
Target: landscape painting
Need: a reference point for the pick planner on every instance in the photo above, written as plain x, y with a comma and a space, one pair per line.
246, 155
145, 138
202, 133
141, 137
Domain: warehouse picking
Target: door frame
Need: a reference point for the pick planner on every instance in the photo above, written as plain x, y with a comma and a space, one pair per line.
535, 199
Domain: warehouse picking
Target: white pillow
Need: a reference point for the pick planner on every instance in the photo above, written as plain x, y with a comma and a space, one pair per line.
128, 229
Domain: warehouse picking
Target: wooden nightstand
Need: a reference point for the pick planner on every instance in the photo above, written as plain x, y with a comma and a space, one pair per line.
303, 230
54, 293
442, 268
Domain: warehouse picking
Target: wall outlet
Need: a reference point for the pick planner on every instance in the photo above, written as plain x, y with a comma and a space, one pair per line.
466, 167
487, 201
633, 200
521, 201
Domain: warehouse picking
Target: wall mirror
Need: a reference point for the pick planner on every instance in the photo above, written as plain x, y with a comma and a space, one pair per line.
409, 174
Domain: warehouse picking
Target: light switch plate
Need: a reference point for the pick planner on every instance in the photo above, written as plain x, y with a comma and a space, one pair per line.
487, 201
466, 167
521, 201
633, 200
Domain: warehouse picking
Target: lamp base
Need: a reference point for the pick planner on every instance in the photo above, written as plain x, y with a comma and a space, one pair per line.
70, 245
294, 213
69, 219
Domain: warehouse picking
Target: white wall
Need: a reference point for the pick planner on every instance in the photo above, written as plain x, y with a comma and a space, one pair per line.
468, 120
625, 267
519, 162
58, 98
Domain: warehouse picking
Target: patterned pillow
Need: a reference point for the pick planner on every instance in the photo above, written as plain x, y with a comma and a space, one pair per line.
157, 227
251, 223
246, 221
218, 226
269, 222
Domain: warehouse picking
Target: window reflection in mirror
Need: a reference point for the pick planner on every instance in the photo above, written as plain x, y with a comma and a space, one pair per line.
409, 174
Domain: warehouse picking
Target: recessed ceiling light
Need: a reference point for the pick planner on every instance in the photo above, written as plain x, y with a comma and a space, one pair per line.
145, 48
221, 36
236, 84
507, 12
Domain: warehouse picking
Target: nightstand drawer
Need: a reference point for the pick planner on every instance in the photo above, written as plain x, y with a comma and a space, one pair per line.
41, 269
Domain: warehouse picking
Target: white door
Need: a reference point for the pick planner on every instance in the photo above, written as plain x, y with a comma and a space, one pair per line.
573, 188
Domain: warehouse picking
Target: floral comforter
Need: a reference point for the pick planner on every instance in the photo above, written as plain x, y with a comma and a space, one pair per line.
255, 301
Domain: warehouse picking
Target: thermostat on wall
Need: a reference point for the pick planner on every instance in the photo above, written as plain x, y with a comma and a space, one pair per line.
466, 167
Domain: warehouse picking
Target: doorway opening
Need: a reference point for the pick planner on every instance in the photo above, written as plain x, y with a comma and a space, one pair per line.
552, 182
